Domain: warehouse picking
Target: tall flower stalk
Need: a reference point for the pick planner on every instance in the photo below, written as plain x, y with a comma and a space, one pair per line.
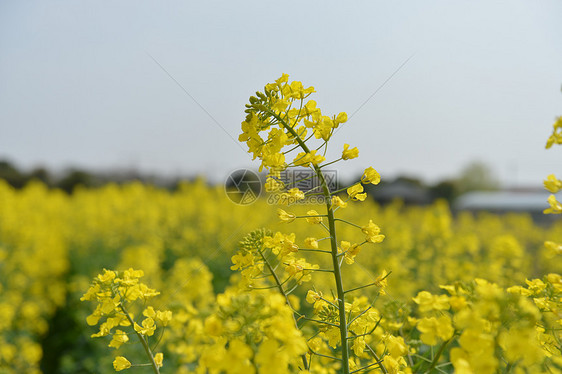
114, 292
281, 113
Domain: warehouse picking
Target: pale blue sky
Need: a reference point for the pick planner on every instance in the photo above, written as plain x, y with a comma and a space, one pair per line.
78, 86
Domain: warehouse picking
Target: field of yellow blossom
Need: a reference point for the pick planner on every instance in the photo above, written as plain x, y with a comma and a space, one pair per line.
138, 278
53, 244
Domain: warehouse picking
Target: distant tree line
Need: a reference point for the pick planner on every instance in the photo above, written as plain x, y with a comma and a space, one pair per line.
476, 176
18, 179
74, 177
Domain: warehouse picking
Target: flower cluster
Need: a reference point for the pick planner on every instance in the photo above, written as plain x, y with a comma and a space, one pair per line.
251, 333
556, 136
371, 342
554, 185
34, 262
282, 112
262, 253
114, 292
285, 119
487, 329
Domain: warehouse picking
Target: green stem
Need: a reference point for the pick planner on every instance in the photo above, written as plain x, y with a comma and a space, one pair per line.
314, 250
319, 321
337, 272
358, 316
349, 223
369, 285
334, 248
330, 163
321, 355
438, 355
142, 340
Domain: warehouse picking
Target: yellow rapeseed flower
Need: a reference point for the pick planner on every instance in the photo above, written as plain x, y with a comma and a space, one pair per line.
337, 202
428, 302
284, 216
121, 363
555, 206
311, 243
163, 317
356, 192
159, 359
349, 154
435, 328
273, 185
305, 159
373, 233
314, 217
552, 184
313, 296
119, 338
370, 175
148, 327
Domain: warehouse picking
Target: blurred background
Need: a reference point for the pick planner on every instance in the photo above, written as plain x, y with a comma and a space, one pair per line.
96, 91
